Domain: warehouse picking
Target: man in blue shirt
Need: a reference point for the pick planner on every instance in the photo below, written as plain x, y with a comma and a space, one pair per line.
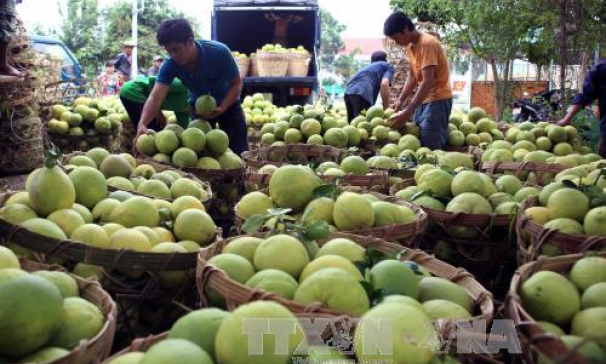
594, 88
364, 87
204, 67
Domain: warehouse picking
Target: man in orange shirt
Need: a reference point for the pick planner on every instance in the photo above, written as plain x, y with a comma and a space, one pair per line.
431, 104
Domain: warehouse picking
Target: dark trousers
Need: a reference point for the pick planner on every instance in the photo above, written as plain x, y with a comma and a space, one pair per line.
233, 123
134, 111
355, 104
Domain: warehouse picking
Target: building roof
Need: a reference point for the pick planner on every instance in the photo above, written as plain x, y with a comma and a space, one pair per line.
366, 45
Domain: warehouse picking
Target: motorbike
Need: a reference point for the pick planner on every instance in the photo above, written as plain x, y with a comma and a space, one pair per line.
540, 106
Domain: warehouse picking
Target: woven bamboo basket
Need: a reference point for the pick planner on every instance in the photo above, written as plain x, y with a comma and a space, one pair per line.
108, 258
138, 345
532, 237
74, 143
293, 154
159, 168
216, 177
532, 336
405, 234
243, 66
21, 145
298, 65
99, 347
237, 294
543, 171
254, 65
375, 180
487, 251
272, 64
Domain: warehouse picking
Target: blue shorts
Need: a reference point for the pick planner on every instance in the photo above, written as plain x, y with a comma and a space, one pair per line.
432, 119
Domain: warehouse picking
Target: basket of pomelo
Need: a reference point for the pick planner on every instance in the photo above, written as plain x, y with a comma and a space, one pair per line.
351, 171
279, 155
532, 173
341, 275
471, 217
51, 316
76, 219
557, 305
300, 194
563, 219
137, 176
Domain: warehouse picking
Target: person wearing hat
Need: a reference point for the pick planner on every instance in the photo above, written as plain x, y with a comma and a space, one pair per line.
124, 61
135, 93
364, 87
206, 68
153, 70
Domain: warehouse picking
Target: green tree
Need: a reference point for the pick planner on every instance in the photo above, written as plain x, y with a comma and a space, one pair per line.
118, 28
495, 30
81, 32
331, 41
348, 65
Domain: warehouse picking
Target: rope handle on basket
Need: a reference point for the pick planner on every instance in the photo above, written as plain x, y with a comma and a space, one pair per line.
592, 241
542, 240
314, 307
203, 275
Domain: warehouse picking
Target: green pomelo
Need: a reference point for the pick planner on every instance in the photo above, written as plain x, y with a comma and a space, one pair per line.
525, 192
508, 184
8, 259
293, 187
230, 160
352, 212
17, 213
45, 355
121, 183
67, 219
176, 351
64, 282
549, 296
217, 141
81, 320
254, 203
430, 203
468, 181
31, 311
551, 328
103, 210
116, 166
588, 271
594, 296
133, 357
91, 234
50, 189
187, 187
208, 163
166, 142
154, 188
245, 247
436, 181
590, 324
343, 247
200, 327
404, 300
336, 289
275, 281
195, 225
183, 203
354, 165
568, 203
595, 221
469, 203
319, 209
387, 213
130, 239
330, 261
90, 186
233, 344
136, 211
184, 157
44, 227
378, 337
146, 145
395, 277
445, 310
588, 349
565, 225
194, 139
433, 288
282, 252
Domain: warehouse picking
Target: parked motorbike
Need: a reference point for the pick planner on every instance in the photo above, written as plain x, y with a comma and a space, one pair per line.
540, 106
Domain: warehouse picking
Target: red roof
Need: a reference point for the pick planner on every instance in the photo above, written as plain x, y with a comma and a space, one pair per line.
366, 45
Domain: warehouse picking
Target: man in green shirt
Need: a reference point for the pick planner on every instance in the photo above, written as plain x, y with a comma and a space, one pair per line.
135, 93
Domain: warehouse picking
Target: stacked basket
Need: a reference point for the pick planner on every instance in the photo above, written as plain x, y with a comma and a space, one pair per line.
21, 142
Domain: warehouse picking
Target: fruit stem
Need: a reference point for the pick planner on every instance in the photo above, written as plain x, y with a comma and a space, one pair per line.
51, 157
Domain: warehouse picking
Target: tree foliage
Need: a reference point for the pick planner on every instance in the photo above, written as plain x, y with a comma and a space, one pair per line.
347, 65
81, 31
331, 41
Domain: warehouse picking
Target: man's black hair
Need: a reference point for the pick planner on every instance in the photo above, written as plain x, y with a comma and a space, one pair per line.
378, 56
174, 31
110, 63
396, 22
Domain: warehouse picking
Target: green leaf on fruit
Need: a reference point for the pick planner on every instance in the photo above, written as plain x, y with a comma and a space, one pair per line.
278, 212
327, 190
374, 256
569, 184
318, 229
254, 223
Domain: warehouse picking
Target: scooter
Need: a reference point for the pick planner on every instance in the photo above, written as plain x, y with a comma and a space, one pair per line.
540, 107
